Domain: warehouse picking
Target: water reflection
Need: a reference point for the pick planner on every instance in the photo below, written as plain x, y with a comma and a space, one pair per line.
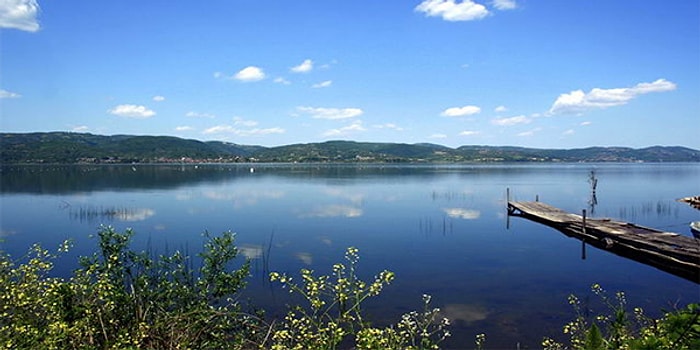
440, 228
466, 313
593, 201
331, 211
251, 251
46, 179
43, 179
452, 196
354, 197
659, 209
462, 213
305, 257
6, 233
428, 225
109, 214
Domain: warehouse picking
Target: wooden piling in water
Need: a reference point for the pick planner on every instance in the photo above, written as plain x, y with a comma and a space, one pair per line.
667, 251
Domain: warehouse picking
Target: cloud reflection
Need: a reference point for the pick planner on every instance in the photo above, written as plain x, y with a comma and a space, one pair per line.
306, 258
6, 233
251, 251
461, 213
467, 313
134, 214
353, 197
241, 199
327, 241
90, 214
333, 210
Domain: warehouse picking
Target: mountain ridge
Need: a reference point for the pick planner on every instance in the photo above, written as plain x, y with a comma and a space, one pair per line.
69, 147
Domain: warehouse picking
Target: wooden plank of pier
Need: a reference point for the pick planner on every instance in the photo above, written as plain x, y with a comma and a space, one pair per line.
667, 251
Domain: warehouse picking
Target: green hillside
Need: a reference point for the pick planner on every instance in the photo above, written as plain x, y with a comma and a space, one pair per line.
66, 148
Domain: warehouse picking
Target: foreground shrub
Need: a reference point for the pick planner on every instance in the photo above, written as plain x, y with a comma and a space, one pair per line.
617, 329
122, 299
119, 299
32, 305
334, 313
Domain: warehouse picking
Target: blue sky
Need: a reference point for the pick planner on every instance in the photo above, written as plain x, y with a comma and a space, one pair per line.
546, 74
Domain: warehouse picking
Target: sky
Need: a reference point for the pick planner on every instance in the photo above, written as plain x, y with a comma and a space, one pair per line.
543, 74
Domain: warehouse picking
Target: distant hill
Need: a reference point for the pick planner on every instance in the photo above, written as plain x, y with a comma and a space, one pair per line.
65, 147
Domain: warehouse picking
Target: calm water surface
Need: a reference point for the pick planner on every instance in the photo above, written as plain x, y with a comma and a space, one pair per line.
441, 229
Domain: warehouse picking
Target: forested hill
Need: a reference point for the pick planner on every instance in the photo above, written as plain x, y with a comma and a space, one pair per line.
64, 147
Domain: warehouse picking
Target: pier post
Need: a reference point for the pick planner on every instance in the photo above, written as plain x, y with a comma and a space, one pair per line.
508, 208
583, 240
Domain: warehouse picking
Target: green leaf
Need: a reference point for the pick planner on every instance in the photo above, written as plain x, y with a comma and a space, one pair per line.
594, 339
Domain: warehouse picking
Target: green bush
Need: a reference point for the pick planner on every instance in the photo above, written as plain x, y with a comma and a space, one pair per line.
617, 329
334, 314
119, 299
122, 299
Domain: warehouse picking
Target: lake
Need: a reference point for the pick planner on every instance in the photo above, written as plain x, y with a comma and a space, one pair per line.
441, 228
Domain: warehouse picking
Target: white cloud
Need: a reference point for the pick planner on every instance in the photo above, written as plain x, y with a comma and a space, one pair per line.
158, 98
248, 74
193, 114
461, 213
451, 10
468, 133
438, 136
132, 111
521, 119
461, 111
328, 65
228, 129
504, 4
304, 67
8, 94
283, 81
569, 132
500, 109
19, 14
183, 128
578, 101
585, 123
391, 126
322, 84
330, 113
218, 129
259, 132
529, 132
659, 85
80, 128
354, 127
243, 122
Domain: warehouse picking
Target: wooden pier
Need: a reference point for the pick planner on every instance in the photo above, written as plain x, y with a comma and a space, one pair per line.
667, 251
